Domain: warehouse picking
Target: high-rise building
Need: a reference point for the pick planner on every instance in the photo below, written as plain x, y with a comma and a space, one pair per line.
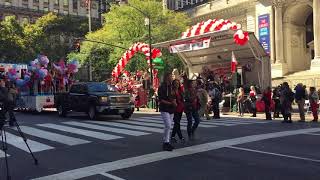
182, 4
30, 10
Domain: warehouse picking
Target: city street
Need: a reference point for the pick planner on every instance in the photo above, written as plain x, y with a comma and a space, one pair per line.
111, 148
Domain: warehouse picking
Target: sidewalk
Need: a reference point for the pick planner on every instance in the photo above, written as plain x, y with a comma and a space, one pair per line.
260, 115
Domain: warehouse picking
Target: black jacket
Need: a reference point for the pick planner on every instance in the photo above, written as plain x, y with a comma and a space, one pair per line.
165, 93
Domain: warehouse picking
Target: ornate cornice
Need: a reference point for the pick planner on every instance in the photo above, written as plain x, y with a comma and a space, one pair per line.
228, 12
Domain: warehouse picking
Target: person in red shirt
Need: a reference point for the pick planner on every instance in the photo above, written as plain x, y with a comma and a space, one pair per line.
266, 97
176, 87
253, 99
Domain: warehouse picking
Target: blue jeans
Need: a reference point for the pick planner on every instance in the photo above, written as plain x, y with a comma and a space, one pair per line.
191, 128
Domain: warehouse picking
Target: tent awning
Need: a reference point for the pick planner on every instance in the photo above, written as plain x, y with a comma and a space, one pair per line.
219, 50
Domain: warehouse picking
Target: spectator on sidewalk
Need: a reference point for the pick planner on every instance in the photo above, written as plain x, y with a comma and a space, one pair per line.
253, 100
266, 98
240, 100
276, 99
286, 99
300, 97
203, 99
314, 99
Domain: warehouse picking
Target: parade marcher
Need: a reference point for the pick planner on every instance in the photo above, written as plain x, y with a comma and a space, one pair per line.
167, 106
276, 99
203, 98
314, 99
215, 95
266, 98
178, 112
253, 100
191, 108
300, 97
286, 99
240, 100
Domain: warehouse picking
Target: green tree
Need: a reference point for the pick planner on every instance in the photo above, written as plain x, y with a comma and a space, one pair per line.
12, 40
125, 25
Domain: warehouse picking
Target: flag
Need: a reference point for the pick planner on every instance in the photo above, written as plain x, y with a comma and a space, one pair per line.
234, 63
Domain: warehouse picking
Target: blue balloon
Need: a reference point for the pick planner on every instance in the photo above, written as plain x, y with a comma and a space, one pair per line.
20, 82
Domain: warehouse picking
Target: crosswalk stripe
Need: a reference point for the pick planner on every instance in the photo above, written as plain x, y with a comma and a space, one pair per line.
53, 136
224, 121
142, 128
160, 122
105, 128
2, 154
18, 142
83, 132
184, 121
150, 124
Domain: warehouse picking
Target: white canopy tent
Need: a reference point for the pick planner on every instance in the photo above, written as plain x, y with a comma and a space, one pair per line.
214, 50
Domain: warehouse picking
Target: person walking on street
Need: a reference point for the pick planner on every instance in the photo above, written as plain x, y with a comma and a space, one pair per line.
177, 89
300, 97
167, 107
286, 99
266, 98
314, 99
240, 100
203, 98
253, 100
191, 109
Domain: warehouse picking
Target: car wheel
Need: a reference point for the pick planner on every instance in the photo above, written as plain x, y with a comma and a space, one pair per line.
92, 113
61, 111
126, 116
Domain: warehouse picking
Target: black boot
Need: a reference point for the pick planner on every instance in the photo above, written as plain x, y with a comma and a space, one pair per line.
167, 147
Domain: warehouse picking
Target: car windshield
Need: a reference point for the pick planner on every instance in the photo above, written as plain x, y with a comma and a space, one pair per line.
100, 87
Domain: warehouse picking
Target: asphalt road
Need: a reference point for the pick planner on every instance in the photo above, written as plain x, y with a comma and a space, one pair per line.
111, 148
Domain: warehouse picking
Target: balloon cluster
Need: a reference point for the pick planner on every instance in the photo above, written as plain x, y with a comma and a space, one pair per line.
241, 37
13, 77
39, 67
212, 25
72, 67
135, 48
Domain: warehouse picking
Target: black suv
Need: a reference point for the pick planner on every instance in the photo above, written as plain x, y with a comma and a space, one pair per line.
94, 98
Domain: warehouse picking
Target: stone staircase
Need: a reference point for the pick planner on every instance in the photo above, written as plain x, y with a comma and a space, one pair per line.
308, 78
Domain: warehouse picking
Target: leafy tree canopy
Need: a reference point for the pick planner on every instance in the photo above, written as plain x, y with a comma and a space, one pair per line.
124, 25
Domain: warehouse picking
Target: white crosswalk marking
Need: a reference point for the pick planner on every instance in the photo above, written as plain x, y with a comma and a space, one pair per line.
212, 124
82, 132
149, 124
160, 122
105, 128
18, 142
142, 128
53, 136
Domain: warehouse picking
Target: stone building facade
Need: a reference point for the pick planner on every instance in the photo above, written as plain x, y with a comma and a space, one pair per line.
30, 10
292, 35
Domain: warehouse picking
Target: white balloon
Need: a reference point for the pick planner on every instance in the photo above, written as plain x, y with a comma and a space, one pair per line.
241, 36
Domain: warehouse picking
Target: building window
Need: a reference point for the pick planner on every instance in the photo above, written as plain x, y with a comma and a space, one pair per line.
56, 2
36, 1
7, 2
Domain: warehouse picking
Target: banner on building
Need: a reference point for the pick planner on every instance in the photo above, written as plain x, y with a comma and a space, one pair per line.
264, 31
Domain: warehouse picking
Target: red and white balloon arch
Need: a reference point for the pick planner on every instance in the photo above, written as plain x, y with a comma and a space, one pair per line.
213, 25
135, 48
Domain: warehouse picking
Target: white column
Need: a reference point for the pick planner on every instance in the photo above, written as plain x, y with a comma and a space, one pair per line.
279, 34
316, 26
272, 34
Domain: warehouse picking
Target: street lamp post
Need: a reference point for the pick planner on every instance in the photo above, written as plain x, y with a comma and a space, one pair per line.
147, 23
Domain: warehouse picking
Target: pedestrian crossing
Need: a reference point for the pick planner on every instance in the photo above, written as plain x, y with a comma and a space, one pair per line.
72, 133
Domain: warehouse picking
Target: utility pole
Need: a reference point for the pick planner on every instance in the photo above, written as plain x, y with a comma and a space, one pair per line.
89, 22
